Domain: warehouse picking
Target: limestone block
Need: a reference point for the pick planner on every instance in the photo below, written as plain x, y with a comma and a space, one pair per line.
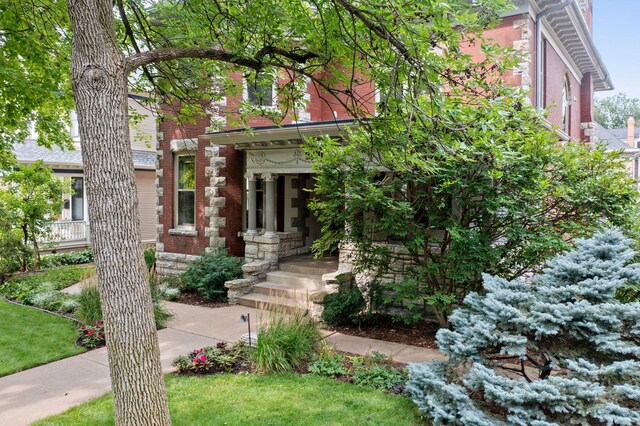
211, 151
255, 267
238, 288
218, 202
211, 191
250, 249
219, 242
159, 210
218, 162
159, 247
218, 182
159, 192
159, 172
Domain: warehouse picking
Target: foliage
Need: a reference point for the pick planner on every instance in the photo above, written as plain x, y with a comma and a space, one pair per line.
29, 337
613, 111
275, 399
221, 358
32, 197
70, 258
21, 287
483, 187
150, 258
328, 363
92, 337
208, 274
90, 309
286, 342
565, 327
46, 297
171, 293
379, 377
345, 307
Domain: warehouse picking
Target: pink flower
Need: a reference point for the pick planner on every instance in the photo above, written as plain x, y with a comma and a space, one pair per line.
99, 323
203, 358
198, 351
195, 360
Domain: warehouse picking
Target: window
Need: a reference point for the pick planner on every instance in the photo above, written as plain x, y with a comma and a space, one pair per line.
260, 91
77, 198
566, 105
185, 190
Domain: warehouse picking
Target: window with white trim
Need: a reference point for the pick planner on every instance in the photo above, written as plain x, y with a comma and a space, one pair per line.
185, 195
566, 105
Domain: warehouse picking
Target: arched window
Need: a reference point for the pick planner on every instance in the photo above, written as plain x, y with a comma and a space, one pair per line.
566, 105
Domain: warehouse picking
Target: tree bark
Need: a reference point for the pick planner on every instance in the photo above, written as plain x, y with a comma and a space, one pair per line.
100, 89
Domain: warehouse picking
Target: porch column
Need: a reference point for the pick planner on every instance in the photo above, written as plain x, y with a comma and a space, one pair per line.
251, 202
270, 225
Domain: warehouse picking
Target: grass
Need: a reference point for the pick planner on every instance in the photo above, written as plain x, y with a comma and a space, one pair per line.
29, 338
282, 399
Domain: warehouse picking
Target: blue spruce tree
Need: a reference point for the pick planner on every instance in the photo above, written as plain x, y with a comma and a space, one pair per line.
559, 351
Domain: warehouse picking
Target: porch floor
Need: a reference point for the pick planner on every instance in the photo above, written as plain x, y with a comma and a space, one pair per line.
306, 264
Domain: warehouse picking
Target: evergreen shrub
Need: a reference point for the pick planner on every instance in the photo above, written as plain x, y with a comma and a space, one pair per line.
558, 351
345, 307
208, 274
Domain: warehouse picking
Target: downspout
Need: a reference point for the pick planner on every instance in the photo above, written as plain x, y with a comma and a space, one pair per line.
539, 70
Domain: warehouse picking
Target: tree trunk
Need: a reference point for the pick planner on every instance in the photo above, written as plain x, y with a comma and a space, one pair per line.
100, 91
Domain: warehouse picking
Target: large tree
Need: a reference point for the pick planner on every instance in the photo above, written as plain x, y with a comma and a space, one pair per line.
175, 49
614, 111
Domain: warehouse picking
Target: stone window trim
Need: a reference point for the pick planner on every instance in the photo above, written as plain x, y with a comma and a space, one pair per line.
184, 228
184, 146
184, 232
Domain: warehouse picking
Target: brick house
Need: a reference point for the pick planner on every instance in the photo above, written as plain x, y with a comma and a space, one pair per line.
247, 192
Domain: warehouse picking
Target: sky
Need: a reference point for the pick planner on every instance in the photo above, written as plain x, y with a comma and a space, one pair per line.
616, 33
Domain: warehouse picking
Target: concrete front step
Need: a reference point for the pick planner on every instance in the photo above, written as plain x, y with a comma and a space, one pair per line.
269, 302
294, 279
306, 269
300, 292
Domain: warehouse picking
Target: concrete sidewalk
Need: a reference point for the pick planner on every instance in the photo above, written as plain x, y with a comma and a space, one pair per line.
53, 388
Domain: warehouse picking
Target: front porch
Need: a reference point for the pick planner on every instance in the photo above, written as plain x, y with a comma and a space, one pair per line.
68, 234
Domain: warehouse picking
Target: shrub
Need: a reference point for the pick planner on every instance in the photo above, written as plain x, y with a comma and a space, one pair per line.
565, 327
209, 360
92, 337
71, 258
69, 305
286, 342
344, 307
379, 376
208, 274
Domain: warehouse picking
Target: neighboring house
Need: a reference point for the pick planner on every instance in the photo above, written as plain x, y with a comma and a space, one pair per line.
248, 192
625, 140
71, 229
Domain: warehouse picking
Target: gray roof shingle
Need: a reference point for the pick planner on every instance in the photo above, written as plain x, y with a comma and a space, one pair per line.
29, 151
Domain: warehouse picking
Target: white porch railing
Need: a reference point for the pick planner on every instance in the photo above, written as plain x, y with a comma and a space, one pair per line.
69, 230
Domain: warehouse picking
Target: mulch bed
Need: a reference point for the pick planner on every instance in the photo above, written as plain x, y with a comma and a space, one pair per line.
196, 299
422, 333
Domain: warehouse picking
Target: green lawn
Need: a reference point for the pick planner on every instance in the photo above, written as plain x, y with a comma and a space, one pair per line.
286, 399
29, 337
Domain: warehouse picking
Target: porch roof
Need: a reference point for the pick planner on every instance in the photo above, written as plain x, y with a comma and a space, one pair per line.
287, 135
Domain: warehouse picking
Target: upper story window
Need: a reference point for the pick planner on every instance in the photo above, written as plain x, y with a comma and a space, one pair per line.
566, 105
260, 91
185, 200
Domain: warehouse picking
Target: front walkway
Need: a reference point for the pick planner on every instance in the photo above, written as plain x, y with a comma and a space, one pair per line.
53, 388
